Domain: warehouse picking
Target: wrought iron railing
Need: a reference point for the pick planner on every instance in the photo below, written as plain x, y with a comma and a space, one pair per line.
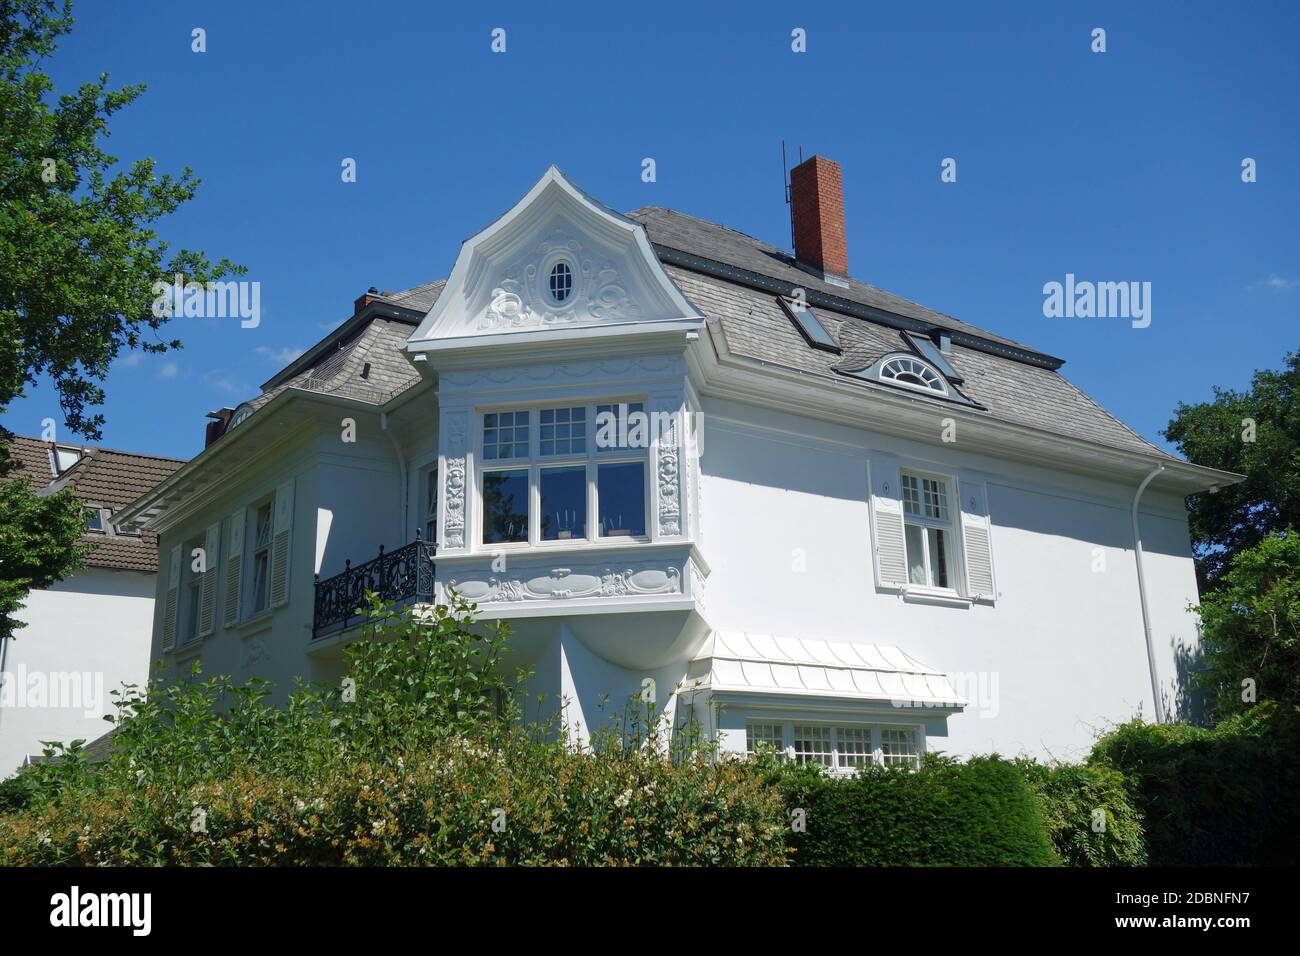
403, 576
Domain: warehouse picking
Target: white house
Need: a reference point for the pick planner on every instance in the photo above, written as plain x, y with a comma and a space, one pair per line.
862, 527
89, 634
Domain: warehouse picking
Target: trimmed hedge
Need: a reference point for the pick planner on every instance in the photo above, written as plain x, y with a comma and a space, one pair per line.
551, 807
1088, 814
1223, 797
979, 813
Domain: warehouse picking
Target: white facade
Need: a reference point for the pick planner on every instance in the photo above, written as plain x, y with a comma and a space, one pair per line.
85, 637
754, 565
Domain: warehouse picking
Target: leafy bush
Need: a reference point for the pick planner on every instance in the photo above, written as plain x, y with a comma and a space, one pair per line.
1225, 796
979, 813
1088, 814
417, 759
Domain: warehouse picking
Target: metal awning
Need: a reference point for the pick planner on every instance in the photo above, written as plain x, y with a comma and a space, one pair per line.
733, 662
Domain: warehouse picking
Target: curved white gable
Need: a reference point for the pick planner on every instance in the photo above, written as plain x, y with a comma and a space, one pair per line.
499, 283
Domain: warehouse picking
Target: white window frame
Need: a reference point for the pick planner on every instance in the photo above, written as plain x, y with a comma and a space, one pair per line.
925, 523
876, 739
591, 458
252, 610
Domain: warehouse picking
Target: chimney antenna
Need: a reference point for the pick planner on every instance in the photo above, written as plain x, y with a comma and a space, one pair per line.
785, 182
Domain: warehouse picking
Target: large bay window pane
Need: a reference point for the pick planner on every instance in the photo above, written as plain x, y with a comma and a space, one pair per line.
505, 506
620, 489
564, 503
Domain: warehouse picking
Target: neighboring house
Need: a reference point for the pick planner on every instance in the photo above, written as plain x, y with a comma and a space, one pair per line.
89, 634
859, 529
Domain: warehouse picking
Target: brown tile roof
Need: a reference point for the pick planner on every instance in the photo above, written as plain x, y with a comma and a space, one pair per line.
103, 478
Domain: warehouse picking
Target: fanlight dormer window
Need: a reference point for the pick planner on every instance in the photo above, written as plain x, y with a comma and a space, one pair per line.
914, 374
561, 283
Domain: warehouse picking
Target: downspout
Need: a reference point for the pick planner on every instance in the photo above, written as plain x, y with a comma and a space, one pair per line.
1142, 595
401, 464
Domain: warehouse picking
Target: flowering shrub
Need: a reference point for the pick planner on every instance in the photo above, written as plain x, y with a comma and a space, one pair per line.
418, 760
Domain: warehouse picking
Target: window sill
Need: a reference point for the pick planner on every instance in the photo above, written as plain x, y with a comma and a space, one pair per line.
943, 597
182, 653
260, 621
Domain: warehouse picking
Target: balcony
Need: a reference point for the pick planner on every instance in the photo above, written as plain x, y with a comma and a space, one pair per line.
403, 577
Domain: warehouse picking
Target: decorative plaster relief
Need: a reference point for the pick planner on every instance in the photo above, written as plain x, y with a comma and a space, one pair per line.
670, 513
452, 509
561, 584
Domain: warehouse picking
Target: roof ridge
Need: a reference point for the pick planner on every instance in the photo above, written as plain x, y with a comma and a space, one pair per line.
97, 448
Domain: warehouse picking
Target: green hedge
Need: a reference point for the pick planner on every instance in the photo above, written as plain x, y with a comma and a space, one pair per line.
556, 808
1088, 813
1226, 796
979, 813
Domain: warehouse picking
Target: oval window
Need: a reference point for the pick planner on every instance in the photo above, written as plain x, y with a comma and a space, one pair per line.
561, 282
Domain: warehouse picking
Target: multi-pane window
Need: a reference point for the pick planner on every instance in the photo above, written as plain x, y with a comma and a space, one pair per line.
561, 282
928, 531
898, 747
769, 736
431, 504
563, 431
841, 749
193, 592
812, 744
261, 558
543, 474
505, 435
853, 747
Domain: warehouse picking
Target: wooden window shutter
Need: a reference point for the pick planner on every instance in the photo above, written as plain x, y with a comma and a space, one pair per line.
172, 599
976, 532
887, 525
208, 587
234, 569
280, 539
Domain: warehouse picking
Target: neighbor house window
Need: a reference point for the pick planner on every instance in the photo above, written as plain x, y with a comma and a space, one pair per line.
94, 520
261, 558
545, 472
928, 531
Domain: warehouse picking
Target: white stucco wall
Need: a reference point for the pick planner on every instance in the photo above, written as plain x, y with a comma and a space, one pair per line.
95, 629
1057, 657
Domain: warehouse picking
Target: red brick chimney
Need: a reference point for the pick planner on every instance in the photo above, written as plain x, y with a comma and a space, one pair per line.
817, 211
363, 300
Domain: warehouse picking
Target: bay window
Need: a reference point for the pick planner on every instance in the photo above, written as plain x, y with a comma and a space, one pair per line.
928, 531
564, 473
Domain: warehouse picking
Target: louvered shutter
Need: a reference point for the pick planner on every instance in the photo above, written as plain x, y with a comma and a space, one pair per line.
208, 586
887, 525
172, 599
234, 569
281, 532
976, 531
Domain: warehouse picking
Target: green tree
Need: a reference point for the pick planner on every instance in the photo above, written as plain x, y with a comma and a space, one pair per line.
1251, 628
78, 260
1255, 433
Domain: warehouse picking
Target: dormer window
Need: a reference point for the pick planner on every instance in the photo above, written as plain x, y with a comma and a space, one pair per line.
913, 373
561, 282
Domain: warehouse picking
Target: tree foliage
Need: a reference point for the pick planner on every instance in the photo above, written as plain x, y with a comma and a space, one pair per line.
78, 259
1255, 433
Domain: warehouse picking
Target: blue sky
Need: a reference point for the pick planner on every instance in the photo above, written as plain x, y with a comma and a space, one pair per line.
1119, 166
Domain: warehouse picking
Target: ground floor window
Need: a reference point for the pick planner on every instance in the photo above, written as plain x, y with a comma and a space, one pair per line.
840, 747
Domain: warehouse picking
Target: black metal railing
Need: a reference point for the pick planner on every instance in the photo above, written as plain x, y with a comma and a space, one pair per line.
403, 576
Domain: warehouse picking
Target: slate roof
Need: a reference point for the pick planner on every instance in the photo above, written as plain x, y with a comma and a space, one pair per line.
1024, 391
104, 478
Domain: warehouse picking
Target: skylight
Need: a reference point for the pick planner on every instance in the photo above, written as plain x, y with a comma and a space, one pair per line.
926, 348
809, 325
